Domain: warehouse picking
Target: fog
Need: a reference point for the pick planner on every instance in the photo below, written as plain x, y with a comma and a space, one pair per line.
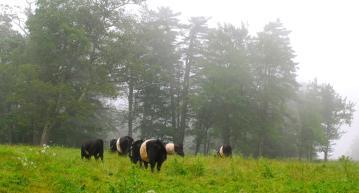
324, 37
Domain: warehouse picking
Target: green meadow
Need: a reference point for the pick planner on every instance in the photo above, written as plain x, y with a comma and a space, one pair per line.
56, 169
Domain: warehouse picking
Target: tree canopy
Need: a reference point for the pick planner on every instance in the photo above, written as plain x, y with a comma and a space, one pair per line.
181, 81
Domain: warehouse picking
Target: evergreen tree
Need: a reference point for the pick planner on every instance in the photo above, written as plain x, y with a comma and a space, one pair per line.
274, 74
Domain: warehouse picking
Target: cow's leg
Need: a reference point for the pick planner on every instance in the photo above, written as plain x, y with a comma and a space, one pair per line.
96, 156
159, 164
83, 153
86, 156
146, 164
153, 164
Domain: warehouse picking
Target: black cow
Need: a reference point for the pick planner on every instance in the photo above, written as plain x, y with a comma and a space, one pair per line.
113, 147
224, 151
123, 145
92, 148
153, 151
134, 153
173, 148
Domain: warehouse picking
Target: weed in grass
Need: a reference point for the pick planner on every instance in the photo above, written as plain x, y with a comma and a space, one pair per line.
197, 168
266, 170
176, 167
346, 163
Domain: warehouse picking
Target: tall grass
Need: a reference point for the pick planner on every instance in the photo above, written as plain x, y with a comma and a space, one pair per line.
56, 169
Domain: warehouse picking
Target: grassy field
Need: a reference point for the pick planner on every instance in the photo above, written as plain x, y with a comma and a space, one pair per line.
56, 169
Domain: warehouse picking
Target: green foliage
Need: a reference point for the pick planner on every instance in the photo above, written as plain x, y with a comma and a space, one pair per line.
60, 96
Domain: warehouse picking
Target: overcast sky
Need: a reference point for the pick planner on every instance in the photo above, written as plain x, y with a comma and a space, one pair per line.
325, 37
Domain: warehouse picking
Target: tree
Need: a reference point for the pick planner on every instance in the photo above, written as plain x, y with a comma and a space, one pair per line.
336, 111
66, 41
274, 74
310, 132
124, 52
11, 48
156, 97
192, 51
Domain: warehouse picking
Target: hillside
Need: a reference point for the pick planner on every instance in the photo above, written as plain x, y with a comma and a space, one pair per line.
56, 169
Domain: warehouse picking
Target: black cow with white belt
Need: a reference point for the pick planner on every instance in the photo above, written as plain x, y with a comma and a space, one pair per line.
225, 151
123, 145
92, 148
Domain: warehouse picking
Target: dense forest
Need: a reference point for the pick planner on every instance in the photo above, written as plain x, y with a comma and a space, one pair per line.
180, 80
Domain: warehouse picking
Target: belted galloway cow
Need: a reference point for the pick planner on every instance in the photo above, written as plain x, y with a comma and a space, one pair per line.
92, 148
225, 151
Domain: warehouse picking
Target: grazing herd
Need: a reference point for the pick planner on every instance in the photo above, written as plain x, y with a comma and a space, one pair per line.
150, 151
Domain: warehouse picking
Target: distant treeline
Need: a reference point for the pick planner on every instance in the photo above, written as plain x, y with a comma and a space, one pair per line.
182, 80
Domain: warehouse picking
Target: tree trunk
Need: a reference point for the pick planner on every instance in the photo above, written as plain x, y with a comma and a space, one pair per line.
208, 142
260, 146
45, 134
327, 143
205, 145
185, 101
146, 126
35, 135
263, 115
198, 144
10, 135
130, 107
11, 127
52, 113
173, 108
178, 109
326, 151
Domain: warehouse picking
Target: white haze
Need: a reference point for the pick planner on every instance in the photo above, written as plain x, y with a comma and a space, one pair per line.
325, 37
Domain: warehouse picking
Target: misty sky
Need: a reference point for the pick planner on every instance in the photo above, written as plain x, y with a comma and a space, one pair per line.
325, 37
